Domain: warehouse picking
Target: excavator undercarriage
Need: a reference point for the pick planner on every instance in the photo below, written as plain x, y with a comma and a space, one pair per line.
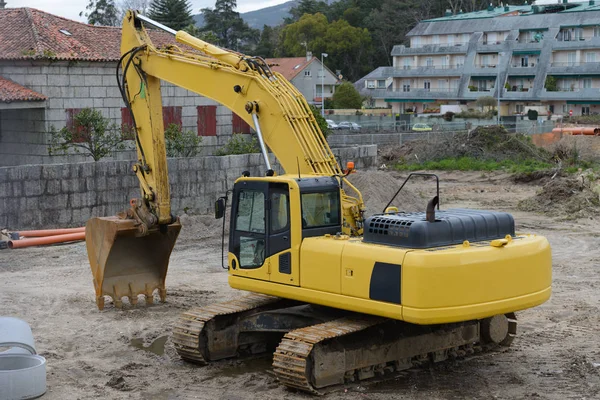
320, 349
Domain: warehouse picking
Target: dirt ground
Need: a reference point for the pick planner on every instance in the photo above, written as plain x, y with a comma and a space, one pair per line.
127, 354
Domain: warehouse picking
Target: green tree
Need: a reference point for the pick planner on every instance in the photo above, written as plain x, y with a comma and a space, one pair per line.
306, 7
346, 96
551, 84
90, 134
268, 42
320, 120
176, 14
231, 31
348, 47
180, 143
101, 12
486, 101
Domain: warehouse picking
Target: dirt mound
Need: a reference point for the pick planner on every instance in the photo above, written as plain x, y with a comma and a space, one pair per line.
567, 197
378, 188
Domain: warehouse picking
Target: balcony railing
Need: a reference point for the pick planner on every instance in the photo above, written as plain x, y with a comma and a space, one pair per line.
412, 93
520, 65
573, 63
439, 44
485, 65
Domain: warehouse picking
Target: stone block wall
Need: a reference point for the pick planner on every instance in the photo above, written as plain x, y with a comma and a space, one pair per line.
66, 195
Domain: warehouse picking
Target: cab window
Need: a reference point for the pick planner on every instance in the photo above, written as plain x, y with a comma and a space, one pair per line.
279, 212
320, 209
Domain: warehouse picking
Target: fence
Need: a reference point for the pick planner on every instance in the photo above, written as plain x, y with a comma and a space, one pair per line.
64, 195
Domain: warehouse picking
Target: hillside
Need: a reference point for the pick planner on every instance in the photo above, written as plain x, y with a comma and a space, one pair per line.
271, 16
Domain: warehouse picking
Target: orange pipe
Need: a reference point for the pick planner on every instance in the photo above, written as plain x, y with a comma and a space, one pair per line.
70, 237
50, 232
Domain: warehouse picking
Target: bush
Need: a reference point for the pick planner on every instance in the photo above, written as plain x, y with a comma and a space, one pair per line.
448, 116
532, 115
181, 143
91, 134
346, 96
474, 114
320, 121
239, 145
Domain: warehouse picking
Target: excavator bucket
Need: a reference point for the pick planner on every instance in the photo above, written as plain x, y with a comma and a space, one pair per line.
126, 262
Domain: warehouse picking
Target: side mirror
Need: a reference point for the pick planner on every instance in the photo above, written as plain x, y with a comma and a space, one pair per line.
220, 208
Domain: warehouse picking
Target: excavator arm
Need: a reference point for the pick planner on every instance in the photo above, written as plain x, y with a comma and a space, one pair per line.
282, 119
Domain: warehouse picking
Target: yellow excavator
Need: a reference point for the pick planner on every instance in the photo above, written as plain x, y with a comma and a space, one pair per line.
339, 297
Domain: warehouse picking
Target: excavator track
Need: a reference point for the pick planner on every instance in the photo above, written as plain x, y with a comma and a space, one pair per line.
188, 330
306, 359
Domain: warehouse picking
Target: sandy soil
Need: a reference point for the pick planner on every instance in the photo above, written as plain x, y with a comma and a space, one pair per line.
126, 354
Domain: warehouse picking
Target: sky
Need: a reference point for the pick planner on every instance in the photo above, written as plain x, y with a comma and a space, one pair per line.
71, 8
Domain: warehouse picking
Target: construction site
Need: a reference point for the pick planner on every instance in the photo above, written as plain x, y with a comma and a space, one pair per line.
456, 264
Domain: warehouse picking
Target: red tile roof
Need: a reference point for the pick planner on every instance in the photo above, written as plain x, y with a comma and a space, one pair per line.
11, 91
289, 67
27, 33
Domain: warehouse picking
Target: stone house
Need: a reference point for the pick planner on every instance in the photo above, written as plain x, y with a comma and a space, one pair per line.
308, 75
52, 67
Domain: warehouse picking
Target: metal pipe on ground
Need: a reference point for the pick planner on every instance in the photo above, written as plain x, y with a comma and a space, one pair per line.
50, 232
70, 237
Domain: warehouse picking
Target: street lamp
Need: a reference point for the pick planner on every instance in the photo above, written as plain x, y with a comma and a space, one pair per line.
499, 88
323, 85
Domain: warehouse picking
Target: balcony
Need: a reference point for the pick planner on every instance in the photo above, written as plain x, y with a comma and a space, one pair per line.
418, 94
591, 94
572, 67
456, 48
586, 43
486, 66
428, 70
528, 45
517, 93
476, 93
491, 46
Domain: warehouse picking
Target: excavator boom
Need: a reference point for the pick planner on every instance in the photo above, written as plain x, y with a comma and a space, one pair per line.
129, 254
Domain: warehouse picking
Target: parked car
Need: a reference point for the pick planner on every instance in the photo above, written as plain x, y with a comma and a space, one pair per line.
353, 126
421, 128
331, 124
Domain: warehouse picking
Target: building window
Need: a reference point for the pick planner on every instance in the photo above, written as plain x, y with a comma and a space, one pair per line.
524, 61
519, 108
427, 85
460, 61
72, 125
381, 84
207, 120
127, 124
416, 41
450, 40
585, 109
406, 86
571, 57
442, 84
436, 39
407, 62
587, 83
597, 31
238, 125
307, 73
590, 57
429, 62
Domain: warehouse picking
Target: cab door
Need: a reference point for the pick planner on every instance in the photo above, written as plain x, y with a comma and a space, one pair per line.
284, 259
248, 236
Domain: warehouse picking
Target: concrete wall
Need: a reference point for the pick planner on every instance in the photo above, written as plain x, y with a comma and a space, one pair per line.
80, 85
64, 195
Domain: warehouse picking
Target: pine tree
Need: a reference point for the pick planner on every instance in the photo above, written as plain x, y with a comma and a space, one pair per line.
101, 12
176, 14
227, 25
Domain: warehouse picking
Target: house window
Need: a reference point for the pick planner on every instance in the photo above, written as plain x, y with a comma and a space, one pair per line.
442, 84
127, 124
585, 109
519, 108
460, 61
416, 41
525, 61
429, 62
72, 126
444, 62
407, 62
590, 57
207, 120
436, 39
427, 85
450, 40
571, 58
587, 83
406, 86
597, 31
381, 84
307, 73
485, 60
238, 125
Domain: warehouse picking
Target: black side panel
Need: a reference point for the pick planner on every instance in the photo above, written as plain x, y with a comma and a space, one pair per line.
285, 263
385, 282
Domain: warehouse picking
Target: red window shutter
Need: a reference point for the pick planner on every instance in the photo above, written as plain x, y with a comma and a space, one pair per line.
127, 124
239, 125
72, 124
172, 115
207, 120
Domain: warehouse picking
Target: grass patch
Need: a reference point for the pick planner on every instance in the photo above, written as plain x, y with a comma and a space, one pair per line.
473, 164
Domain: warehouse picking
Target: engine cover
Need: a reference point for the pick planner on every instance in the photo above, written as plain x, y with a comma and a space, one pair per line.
452, 226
